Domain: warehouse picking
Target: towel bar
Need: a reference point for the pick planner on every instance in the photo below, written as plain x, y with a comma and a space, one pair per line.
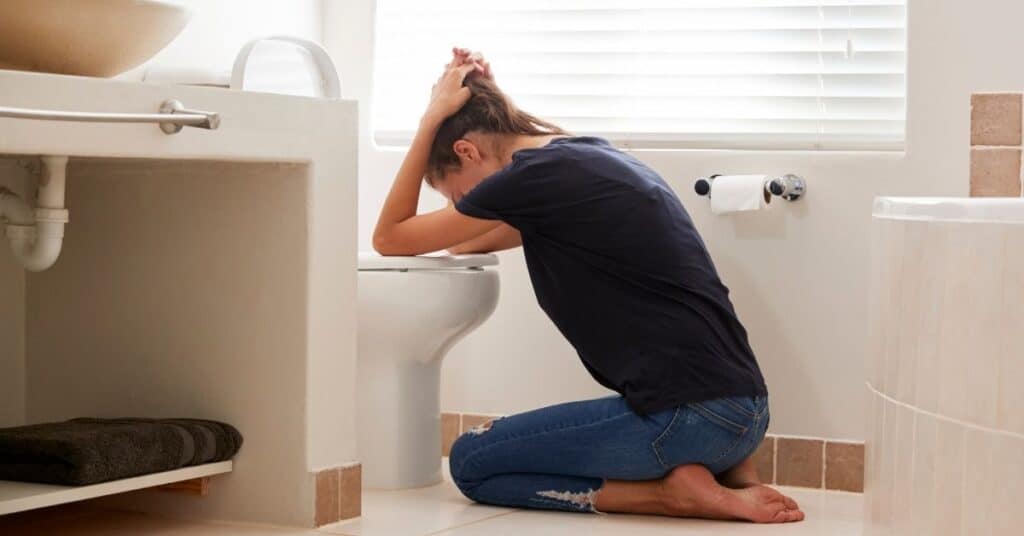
172, 117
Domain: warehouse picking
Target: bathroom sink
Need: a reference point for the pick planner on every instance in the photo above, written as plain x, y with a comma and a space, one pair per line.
85, 37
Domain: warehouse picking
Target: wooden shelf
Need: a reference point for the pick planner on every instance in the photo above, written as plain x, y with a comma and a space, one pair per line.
21, 496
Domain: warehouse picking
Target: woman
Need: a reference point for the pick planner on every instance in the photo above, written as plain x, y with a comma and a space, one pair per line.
618, 266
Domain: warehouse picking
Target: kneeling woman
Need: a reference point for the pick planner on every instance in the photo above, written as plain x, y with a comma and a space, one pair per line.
618, 266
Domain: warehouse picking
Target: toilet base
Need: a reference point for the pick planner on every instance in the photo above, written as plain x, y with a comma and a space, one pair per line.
408, 320
399, 421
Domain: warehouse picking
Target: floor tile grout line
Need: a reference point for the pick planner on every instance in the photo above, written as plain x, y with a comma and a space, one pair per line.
775, 460
474, 522
824, 463
821, 494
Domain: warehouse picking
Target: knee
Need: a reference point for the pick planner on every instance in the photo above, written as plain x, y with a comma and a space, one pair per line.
458, 456
457, 464
462, 458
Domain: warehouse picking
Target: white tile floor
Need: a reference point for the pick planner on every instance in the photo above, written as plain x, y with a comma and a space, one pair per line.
441, 510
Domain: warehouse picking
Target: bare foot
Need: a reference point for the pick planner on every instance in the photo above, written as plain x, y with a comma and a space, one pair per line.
741, 476
691, 491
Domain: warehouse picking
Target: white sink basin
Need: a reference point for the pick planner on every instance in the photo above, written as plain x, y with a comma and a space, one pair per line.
85, 37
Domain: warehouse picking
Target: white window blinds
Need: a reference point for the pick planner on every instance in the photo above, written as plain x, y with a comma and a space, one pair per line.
747, 74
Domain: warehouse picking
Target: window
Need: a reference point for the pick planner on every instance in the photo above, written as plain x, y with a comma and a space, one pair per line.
746, 74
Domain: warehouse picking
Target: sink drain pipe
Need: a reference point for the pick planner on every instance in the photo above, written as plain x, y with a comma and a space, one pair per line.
36, 235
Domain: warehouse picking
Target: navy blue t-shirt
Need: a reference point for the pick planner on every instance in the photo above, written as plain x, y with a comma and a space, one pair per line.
618, 266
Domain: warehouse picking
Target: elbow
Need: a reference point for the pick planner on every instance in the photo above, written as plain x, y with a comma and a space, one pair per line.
382, 245
386, 245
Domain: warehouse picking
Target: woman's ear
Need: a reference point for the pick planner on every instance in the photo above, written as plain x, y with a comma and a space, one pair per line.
466, 151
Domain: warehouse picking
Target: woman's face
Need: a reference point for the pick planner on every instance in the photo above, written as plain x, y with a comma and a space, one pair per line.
476, 166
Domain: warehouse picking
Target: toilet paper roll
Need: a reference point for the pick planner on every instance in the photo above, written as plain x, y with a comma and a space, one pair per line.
737, 193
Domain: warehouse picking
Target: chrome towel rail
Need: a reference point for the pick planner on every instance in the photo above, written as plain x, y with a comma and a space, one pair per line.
172, 117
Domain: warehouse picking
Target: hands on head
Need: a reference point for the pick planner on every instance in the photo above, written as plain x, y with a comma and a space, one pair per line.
449, 94
464, 55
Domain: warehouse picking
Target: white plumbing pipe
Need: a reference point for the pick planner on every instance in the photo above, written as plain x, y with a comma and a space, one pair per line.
36, 236
51, 182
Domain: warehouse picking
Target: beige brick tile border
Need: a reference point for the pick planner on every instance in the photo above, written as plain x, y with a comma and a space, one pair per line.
789, 461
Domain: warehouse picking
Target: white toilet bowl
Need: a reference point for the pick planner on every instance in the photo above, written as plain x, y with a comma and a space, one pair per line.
412, 310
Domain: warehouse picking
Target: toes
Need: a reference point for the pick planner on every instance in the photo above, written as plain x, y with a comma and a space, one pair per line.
771, 512
773, 495
780, 512
794, 515
788, 516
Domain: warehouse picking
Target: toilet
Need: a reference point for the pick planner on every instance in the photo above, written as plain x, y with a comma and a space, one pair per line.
412, 310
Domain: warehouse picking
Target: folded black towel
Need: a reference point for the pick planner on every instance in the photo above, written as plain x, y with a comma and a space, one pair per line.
88, 451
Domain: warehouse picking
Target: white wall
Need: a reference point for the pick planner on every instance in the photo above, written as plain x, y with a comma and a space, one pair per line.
798, 273
12, 316
219, 28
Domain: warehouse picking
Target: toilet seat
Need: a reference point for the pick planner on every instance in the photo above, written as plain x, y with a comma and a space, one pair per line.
373, 261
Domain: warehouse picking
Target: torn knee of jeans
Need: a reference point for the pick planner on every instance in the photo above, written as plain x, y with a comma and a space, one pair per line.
583, 499
479, 429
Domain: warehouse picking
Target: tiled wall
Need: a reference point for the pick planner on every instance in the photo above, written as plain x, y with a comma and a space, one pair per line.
786, 461
996, 145
945, 444
338, 494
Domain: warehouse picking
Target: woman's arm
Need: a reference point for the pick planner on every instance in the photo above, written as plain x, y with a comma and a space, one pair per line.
500, 238
400, 231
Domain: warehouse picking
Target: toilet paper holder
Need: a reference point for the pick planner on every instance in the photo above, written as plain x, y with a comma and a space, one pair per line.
789, 187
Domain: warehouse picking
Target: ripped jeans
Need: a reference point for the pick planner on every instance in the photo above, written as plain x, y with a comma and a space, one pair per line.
558, 457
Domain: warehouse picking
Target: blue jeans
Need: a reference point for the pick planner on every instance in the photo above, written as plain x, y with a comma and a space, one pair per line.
558, 457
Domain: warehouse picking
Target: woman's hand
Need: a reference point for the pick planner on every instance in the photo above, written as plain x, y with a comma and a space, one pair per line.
467, 56
448, 94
